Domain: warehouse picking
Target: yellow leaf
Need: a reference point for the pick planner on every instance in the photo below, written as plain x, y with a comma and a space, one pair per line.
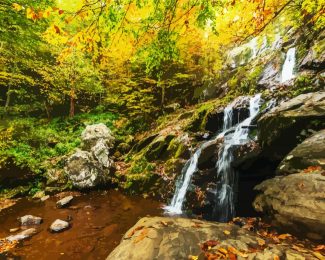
284, 236
261, 242
319, 255
226, 232
17, 7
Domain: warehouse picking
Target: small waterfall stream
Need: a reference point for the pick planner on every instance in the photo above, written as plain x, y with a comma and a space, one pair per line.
288, 66
224, 196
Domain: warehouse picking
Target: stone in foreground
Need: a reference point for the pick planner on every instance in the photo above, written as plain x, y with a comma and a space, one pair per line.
296, 202
64, 202
22, 235
59, 225
29, 220
180, 238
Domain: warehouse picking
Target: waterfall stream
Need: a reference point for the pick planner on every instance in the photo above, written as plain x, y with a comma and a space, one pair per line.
288, 66
224, 195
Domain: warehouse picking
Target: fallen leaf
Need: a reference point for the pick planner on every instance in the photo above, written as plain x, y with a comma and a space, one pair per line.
299, 249
319, 255
226, 232
164, 223
142, 235
260, 241
284, 236
276, 257
319, 247
135, 230
223, 250
193, 257
232, 256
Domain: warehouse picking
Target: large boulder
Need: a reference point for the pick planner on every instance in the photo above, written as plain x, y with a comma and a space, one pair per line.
291, 122
92, 166
180, 238
93, 133
310, 153
84, 171
296, 201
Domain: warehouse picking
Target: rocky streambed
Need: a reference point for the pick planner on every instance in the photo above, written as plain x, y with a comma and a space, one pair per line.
89, 226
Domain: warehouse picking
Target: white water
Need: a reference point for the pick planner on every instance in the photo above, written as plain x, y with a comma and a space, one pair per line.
288, 66
225, 195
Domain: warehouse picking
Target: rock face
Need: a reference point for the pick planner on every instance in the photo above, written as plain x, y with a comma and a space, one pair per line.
291, 122
59, 225
296, 201
92, 166
29, 220
64, 202
179, 238
310, 152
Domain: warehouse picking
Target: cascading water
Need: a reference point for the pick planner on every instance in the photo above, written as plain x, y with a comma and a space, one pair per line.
226, 173
224, 208
190, 168
288, 66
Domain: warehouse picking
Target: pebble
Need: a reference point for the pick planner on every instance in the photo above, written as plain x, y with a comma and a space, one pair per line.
59, 225
64, 202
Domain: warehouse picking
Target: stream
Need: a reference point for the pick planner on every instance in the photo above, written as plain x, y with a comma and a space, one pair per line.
99, 220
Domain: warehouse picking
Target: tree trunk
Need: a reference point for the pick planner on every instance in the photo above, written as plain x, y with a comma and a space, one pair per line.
72, 103
8, 99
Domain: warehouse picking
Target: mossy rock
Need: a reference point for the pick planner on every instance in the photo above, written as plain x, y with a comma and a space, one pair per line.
158, 148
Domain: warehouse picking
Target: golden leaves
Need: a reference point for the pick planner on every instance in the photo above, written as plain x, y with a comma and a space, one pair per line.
17, 7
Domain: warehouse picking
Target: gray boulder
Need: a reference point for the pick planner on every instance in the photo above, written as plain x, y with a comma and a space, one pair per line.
310, 152
30, 220
59, 225
296, 201
93, 133
92, 166
86, 172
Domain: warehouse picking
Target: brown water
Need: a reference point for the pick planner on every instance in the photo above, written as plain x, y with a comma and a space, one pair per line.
99, 220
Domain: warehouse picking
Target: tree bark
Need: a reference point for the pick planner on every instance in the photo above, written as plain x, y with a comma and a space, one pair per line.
72, 103
8, 99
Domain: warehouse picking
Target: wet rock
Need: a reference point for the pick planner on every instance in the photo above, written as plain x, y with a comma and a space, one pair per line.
310, 152
178, 238
46, 197
22, 235
285, 123
64, 202
270, 76
59, 225
30, 220
296, 201
93, 133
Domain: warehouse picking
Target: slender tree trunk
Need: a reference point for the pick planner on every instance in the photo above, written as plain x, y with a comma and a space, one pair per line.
72, 103
47, 109
8, 99
162, 96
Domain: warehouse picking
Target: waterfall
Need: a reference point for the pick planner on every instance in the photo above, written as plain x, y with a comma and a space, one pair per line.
190, 167
225, 194
225, 208
288, 66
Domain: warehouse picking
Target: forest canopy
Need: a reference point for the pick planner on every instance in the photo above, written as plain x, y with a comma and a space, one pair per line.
127, 53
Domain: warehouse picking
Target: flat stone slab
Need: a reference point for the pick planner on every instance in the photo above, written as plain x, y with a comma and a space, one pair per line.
180, 238
29, 220
64, 202
59, 225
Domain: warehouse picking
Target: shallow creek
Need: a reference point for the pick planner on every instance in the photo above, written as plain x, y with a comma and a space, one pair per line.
99, 220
